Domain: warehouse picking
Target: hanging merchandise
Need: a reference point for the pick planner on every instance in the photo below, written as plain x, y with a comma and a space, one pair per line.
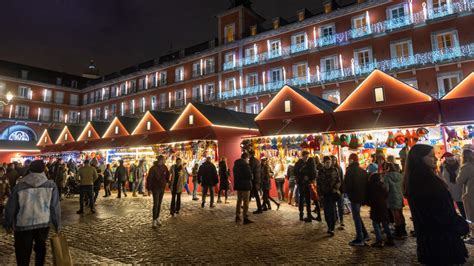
399, 137
337, 140
409, 139
326, 144
344, 140
451, 133
390, 140
354, 143
470, 130
422, 133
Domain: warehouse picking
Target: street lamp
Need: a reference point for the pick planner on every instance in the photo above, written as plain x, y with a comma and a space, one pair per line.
9, 97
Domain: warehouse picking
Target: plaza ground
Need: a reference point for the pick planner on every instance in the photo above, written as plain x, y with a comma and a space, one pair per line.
121, 233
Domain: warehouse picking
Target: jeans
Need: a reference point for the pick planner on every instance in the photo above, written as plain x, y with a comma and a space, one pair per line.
242, 196
267, 199
175, 202
96, 194
89, 192
254, 193
138, 184
280, 184
121, 187
24, 244
195, 188
60, 192
359, 224
205, 189
186, 187
304, 198
107, 184
329, 210
378, 233
340, 209
157, 199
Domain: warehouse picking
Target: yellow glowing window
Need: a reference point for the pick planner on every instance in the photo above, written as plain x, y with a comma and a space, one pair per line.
287, 106
89, 133
229, 33
116, 130
360, 22
379, 95
276, 24
445, 41
45, 139
301, 16
148, 125
401, 49
65, 136
191, 119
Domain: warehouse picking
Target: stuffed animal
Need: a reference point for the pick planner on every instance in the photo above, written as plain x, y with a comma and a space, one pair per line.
344, 140
326, 144
409, 139
422, 133
451, 133
337, 140
399, 137
390, 140
354, 143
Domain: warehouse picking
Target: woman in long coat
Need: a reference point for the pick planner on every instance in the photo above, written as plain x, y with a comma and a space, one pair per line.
466, 178
439, 229
224, 179
178, 179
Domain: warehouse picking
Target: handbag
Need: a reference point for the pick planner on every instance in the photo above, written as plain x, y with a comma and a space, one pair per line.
61, 253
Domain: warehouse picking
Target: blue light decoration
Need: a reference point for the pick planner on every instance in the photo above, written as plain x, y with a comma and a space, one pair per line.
229, 65
296, 48
19, 136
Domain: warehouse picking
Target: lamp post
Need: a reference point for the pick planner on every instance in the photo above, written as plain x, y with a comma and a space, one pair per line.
9, 98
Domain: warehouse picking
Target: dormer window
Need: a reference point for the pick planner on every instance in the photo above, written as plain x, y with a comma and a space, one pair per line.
191, 120
301, 16
276, 23
229, 33
379, 95
253, 30
89, 133
287, 106
116, 130
148, 125
65, 137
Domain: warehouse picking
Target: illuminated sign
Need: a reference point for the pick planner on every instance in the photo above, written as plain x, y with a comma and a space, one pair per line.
19, 136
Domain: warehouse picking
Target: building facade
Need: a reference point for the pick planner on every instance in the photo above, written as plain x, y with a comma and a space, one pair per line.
427, 44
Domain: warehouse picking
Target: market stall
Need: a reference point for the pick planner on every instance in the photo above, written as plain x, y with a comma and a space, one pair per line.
17, 151
457, 115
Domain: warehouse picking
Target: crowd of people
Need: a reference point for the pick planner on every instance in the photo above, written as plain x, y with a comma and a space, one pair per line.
433, 192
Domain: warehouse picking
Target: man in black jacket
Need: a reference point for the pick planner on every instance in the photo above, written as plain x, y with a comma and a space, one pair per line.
207, 174
243, 185
305, 172
256, 180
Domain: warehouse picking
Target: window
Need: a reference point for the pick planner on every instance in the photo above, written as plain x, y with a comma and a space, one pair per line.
252, 80
124, 88
333, 96
106, 112
143, 105
25, 92
122, 108
209, 67
162, 79
59, 81
196, 69
276, 75
230, 84
229, 33
359, 22
148, 125
179, 74
229, 60
191, 120
153, 103
363, 57
196, 93
105, 93
251, 108
113, 110
327, 30
287, 106
132, 86
412, 82
74, 83
113, 91
329, 63
251, 55
446, 82
83, 116
274, 48
179, 98
379, 95
397, 11
59, 97
73, 117
298, 42
132, 107
58, 115
209, 92
445, 40
141, 84
401, 49
116, 131
84, 99
97, 113
163, 101
47, 95
300, 71
437, 3
45, 114
73, 99
24, 74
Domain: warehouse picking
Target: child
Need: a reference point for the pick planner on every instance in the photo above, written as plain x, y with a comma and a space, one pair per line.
377, 194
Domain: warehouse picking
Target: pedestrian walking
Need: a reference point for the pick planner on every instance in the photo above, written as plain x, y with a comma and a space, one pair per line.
340, 202
279, 175
439, 229
449, 171
207, 173
377, 194
243, 186
267, 176
108, 180
32, 206
60, 178
186, 183
393, 180
195, 180
466, 179
98, 183
355, 185
290, 175
131, 177
305, 172
157, 177
329, 191
121, 175
140, 172
256, 180
12, 175
87, 177
178, 179
224, 180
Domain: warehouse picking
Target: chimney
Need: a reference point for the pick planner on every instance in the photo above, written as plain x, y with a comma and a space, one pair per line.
302, 14
327, 4
278, 22
253, 30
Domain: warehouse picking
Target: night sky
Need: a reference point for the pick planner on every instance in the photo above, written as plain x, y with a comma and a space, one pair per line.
63, 35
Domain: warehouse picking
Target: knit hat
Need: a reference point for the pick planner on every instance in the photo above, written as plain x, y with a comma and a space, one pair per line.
37, 166
372, 168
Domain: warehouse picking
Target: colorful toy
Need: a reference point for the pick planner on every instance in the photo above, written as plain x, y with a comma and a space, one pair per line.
354, 143
399, 138
344, 140
422, 133
390, 140
451, 133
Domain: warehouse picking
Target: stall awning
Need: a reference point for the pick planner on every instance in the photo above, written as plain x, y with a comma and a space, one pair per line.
294, 111
382, 101
457, 107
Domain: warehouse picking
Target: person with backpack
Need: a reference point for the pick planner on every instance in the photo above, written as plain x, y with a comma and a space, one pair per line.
157, 178
121, 175
329, 190
207, 173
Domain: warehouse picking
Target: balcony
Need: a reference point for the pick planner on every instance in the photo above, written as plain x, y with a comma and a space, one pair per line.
209, 70
196, 73
326, 41
249, 60
297, 48
442, 11
179, 103
446, 54
273, 54
361, 32
396, 23
331, 75
229, 65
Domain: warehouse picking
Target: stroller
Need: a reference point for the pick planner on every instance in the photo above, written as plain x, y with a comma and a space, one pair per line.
72, 187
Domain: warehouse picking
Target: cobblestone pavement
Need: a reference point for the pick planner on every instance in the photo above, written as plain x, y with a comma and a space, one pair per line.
120, 233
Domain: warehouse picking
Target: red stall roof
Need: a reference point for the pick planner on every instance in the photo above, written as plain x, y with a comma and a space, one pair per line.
49, 136
69, 134
382, 101
457, 107
295, 111
121, 126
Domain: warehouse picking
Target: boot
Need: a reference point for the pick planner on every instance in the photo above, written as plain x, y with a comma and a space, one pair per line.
403, 230
290, 197
134, 194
